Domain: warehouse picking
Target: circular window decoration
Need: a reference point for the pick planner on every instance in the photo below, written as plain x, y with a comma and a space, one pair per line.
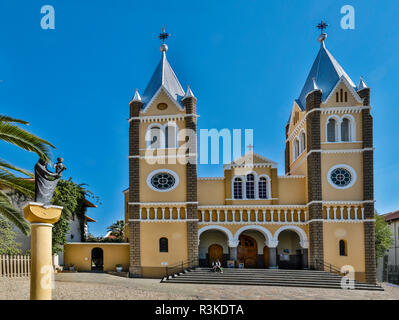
162, 180
341, 176
162, 106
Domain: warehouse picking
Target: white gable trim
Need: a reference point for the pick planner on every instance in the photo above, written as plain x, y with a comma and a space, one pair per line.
350, 88
157, 94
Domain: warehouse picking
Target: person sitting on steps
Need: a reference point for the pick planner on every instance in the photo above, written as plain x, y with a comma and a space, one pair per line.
219, 266
214, 266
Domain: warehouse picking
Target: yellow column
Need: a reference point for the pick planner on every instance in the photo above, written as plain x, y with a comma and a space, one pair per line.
42, 219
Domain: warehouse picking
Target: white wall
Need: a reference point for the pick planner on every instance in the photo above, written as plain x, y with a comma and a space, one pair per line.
74, 231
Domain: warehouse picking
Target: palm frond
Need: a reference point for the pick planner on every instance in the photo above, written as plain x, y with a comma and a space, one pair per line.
25, 186
4, 164
4, 118
25, 140
12, 214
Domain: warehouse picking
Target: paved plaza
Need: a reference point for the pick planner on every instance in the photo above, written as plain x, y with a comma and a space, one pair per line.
100, 286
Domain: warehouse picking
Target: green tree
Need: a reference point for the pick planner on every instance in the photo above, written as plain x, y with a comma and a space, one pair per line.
383, 236
117, 229
71, 197
8, 245
10, 132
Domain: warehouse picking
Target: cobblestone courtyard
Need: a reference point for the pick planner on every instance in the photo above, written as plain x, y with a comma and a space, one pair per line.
97, 286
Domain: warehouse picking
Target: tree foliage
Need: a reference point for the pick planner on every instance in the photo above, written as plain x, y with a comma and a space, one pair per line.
117, 229
71, 197
8, 244
383, 236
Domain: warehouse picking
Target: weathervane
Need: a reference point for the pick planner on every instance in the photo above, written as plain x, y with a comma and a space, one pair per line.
322, 25
163, 35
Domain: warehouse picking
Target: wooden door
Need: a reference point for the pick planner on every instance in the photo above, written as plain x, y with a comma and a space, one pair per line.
266, 256
247, 251
215, 252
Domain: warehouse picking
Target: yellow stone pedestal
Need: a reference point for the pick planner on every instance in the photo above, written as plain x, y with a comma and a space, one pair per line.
42, 219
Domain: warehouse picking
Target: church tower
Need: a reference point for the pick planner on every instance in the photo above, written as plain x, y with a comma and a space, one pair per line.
329, 140
162, 197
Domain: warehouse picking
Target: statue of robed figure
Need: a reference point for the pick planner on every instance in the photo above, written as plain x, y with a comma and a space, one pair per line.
46, 181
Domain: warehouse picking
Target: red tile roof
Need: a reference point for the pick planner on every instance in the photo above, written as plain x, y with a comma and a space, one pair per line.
391, 216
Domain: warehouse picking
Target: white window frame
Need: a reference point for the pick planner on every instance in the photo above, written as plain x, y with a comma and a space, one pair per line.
296, 152
162, 128
242, 187
256, 187
174, 174
347, 167
338, 123
268, 187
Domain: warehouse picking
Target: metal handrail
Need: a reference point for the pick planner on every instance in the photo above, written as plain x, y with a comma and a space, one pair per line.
329, 267
181, 266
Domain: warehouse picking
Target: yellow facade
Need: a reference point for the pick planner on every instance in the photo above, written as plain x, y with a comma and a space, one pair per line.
318, 210
80, 255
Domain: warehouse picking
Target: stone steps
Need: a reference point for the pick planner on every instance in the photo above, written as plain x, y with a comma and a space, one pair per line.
266, 277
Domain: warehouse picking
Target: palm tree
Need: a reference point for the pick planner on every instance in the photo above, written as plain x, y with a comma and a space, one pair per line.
117, 229
10, 132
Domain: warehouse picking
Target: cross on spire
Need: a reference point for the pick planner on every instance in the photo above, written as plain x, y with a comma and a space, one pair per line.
163, 35
250, 147
322, 25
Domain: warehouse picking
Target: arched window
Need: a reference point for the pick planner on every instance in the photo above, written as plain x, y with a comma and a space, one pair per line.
296, 142
337, 96
341, 95
163, 245
342, 248
345, 126
303, 142
237, 188
262, 185
331, 134
250, 186
154, 137
346, 96
170, 136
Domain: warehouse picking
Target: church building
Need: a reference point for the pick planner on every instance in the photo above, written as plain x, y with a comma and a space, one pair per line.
319, 212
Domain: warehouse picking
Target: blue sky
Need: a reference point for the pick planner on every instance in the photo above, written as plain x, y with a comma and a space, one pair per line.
74, 83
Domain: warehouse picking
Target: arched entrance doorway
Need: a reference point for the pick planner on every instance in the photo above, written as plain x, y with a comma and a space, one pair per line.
289, 250
215, 252
213, 244
97, 259
247, 251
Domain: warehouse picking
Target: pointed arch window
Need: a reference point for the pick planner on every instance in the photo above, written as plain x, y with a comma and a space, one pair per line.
237, 187
262, 185
250, 186
331, 130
